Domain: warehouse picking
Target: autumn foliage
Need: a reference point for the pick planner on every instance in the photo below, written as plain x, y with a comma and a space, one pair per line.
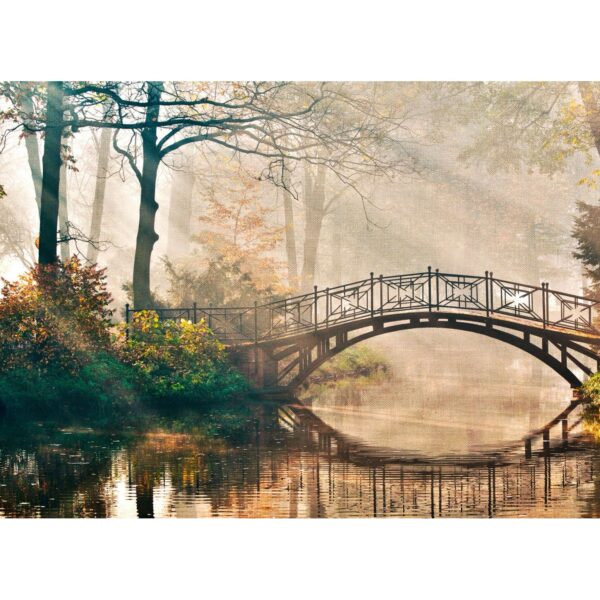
177, 359
62, 357
238, 238
54, 317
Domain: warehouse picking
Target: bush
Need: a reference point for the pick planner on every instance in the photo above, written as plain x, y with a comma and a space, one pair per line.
61, 358
178, 360
103, 392
591, 411
55, 346
356, 361
54, 317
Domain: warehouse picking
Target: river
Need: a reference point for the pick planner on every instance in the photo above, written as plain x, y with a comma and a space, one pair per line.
368, 452
444, 436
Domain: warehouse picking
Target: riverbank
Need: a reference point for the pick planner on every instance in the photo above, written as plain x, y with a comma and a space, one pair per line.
63, 359
355, 367
590, 391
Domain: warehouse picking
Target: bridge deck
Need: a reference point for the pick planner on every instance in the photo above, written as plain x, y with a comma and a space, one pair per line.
427, 293
293, 336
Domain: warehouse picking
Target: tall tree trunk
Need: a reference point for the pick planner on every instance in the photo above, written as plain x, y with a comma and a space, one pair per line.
33, 154
314, 203
63, 215
98, 208
51, 174
290, 232
180, 214
146, 235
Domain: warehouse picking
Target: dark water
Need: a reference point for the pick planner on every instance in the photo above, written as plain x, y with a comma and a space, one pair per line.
377, 451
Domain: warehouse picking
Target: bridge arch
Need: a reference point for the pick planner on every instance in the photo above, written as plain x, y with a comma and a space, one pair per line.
309, 354
281, 342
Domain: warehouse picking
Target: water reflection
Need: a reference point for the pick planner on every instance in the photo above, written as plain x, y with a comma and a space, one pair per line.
434, 418
290, 463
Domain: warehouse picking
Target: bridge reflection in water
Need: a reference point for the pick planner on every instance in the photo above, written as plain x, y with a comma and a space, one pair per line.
482, 484
289, 463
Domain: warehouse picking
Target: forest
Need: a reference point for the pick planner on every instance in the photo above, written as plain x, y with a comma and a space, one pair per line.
158, 194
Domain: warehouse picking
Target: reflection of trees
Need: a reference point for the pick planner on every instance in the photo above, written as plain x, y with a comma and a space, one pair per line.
56, 480
286, 470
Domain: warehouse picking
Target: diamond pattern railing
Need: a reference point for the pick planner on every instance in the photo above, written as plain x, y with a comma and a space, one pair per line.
428, 292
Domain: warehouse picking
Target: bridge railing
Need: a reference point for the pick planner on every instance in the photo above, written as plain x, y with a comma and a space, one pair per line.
428, 291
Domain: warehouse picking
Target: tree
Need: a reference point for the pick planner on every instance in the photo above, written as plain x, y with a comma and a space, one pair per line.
586, 232
275, 121
103, 147
322, 124
180, 208
541, 126
221, 113
384, 121
290, 232
63, 215
51, 164
314, 202
25, 99
237, 239
33, 151
27, 116
15, 240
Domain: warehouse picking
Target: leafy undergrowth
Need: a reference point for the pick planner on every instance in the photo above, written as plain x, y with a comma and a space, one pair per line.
355, 366
591, 410
62, 360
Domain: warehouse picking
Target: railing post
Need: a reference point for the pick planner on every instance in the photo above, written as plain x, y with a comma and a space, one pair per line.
544, 315
437, 289
487, 294
195, 313
547, 303
381, 294
210, 316
429, 286
491, 292
372, 296
316, 313
327, 308
127, 321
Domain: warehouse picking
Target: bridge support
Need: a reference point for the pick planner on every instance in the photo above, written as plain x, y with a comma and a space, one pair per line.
298, 356
257, 365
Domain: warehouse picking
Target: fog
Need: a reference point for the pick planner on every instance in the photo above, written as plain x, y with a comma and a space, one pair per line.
437, 208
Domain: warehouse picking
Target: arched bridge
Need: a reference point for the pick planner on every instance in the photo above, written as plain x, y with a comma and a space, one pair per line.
280, 343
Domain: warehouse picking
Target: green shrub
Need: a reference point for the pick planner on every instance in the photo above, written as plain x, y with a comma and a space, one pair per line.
177, 361
54, 317
60, 357
356, 361
103, 392
591, 410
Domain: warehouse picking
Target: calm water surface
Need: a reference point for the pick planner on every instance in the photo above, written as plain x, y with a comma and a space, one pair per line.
376, 451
